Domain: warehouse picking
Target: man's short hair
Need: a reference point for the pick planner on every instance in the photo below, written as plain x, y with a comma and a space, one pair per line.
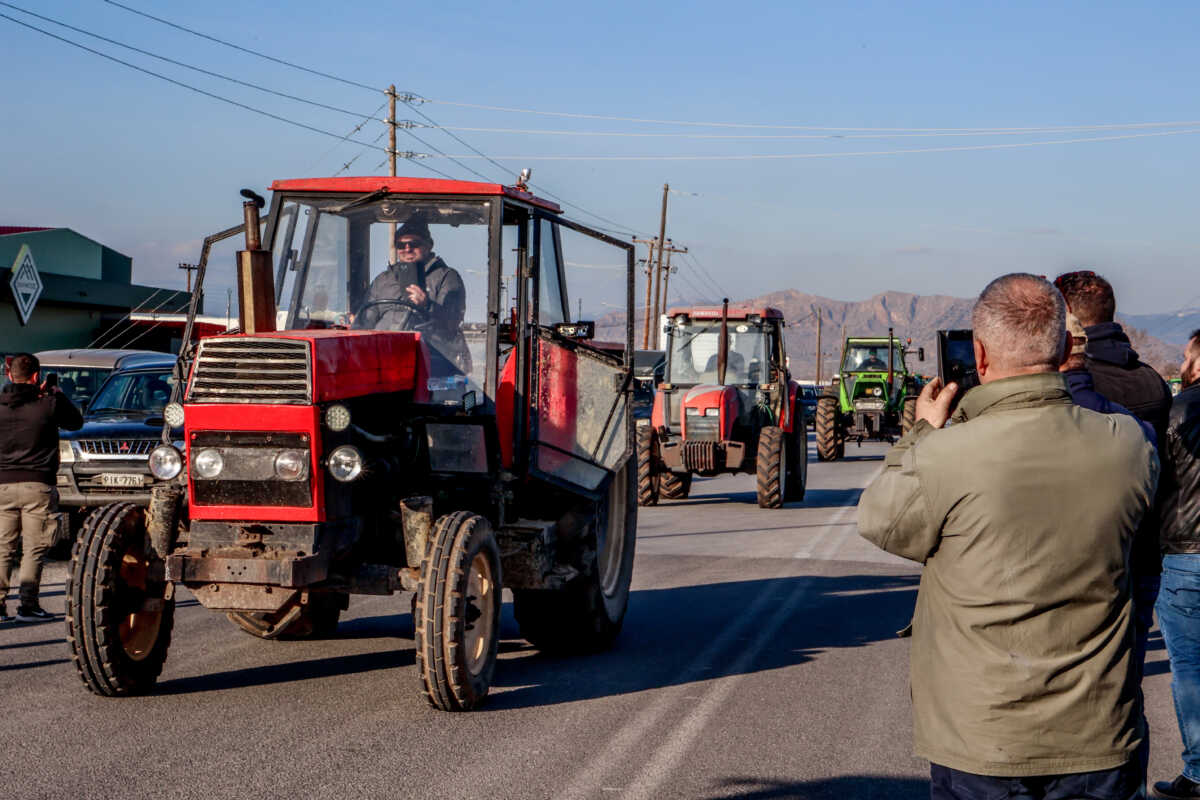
1194, 339
23, 366
1089, 296
1021, 321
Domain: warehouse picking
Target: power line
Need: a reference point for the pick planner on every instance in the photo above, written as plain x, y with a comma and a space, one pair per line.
353, 131
704, 271
346, 81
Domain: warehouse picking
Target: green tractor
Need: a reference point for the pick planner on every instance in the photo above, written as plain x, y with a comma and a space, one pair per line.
873, 396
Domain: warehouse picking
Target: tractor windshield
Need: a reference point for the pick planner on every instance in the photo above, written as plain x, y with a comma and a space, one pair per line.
389, 264
863, 357
694, 352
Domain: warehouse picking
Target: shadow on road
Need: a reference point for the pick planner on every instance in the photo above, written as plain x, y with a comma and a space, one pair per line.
859, 787
288, 672
32, 664
813, 498
668, 636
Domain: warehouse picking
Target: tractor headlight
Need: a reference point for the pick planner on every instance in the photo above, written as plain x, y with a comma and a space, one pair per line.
165, 462
878, 392
337, 418
66, 454
712, 412
291, 465
173, 414
691, 412
208, 463
345, 463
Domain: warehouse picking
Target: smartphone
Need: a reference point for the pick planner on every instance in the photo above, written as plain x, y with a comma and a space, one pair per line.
956, 360
51, 382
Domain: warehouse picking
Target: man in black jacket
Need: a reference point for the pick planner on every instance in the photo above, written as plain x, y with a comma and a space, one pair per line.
30, 416
1179, 603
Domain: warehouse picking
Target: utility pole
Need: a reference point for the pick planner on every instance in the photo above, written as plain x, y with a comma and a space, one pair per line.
818, 313
662, 309
190, 268
391, 93
649, 269
662, 239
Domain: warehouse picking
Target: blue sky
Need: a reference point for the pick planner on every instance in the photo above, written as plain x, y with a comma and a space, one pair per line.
150, 168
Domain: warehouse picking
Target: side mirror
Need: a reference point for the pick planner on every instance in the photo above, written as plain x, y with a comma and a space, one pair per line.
920, 354
575, 330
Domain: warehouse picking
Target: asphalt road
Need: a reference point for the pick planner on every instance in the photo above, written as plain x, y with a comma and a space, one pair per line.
758, 660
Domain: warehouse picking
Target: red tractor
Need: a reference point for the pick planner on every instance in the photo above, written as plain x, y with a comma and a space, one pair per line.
728, 404
449, 442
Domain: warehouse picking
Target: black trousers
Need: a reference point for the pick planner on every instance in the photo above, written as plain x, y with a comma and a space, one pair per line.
1122, 783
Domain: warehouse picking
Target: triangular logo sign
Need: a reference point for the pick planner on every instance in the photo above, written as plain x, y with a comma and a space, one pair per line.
26, 284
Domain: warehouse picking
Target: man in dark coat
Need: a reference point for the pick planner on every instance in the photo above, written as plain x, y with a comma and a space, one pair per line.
420, 293
30, 416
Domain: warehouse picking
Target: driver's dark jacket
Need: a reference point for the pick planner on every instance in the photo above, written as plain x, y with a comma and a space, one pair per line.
1179, 510
439, 321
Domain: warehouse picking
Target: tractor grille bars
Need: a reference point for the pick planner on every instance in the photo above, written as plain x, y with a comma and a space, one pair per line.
245, 370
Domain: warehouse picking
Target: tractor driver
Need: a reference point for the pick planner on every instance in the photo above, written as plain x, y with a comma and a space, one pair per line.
420, 293
872, 361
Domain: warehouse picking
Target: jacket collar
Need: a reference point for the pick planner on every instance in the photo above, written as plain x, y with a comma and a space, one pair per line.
1108, 342
17, 394
1021, 391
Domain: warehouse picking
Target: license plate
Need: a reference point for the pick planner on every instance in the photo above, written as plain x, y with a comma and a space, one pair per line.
117, 479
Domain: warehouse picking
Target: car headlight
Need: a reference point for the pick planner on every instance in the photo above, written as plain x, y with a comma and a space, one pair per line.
166, 462
337, 418
345, 463
208, 463
173, 414
66, 453
712, 412
291, 465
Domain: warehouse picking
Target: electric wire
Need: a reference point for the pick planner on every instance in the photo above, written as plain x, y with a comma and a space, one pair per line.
353, 131
704, 271
815, 136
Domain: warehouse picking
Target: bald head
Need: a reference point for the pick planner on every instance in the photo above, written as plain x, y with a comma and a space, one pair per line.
1020, 321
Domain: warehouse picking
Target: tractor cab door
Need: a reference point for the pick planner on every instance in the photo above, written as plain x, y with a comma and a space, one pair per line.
580, 389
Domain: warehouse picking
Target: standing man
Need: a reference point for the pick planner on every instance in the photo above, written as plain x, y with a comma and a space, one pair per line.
30, 416
1120, 376
1179, 601
1023, 513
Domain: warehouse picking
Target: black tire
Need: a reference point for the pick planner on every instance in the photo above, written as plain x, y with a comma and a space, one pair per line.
675, 486
457, 613
829, 447
908, 417
316, 619
119, 620
647, 483
772, 467
797, 459
586, 615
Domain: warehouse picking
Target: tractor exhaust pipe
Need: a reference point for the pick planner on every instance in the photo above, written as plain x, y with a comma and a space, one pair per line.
256, 285
891, 351
723, 344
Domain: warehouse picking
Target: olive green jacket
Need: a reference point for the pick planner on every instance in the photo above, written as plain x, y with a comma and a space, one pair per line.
1022, 511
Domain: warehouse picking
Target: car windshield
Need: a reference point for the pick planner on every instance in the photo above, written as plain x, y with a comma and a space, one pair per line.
694, 352
134, 392
868, 358
79, 384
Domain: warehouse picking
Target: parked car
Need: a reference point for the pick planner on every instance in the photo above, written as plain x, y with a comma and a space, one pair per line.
648, 369
81, 371
808, 400
106, 460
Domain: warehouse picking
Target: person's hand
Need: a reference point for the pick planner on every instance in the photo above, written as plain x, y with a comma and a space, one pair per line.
417, 295
933, 404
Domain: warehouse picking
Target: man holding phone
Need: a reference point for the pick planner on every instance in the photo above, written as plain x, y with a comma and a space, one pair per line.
30, 416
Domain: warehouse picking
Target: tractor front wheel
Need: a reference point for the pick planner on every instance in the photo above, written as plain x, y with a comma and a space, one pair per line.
647, 479
586, 615
830, 447
457, 613
772, 467
674, 485
909, 416
797, 459
119, 615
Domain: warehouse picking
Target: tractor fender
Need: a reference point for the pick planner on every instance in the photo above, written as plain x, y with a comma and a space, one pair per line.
708, 396
787, 414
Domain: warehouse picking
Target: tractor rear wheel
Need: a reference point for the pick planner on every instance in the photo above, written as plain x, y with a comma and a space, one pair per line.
908, 417
316, 619
586, 615
772, 467
119, 616
647, 480
675, 486
829, 446
457, 613
797, 459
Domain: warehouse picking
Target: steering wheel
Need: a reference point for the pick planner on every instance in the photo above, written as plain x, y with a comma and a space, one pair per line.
402, 302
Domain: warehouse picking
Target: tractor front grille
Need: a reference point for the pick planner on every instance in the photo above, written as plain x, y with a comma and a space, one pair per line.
700, 428
245, 370
700, 456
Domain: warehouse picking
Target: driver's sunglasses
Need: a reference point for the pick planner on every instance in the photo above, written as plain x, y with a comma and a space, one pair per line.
1071, 277
410, 244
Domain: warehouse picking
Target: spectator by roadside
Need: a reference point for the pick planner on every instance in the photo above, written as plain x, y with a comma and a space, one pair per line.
1179, 601
30, 416
1022, 512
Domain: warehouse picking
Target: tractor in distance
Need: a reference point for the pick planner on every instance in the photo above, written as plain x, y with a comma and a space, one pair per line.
345, 441
873, 395
727, 404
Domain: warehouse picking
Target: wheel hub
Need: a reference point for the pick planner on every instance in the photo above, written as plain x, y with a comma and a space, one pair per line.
480, 599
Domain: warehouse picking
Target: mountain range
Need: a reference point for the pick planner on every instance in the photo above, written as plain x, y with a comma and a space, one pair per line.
1158, 338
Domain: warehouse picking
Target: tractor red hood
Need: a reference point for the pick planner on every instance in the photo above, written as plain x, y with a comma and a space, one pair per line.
708, 396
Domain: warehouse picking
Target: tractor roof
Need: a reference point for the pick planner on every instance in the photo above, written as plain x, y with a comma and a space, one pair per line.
402, 185
873, 339
735, 312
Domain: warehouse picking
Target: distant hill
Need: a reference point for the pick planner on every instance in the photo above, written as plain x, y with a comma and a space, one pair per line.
915, 317
1171, 328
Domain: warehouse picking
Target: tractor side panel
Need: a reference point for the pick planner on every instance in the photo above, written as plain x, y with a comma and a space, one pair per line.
353, 364
505, 405
789, 413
